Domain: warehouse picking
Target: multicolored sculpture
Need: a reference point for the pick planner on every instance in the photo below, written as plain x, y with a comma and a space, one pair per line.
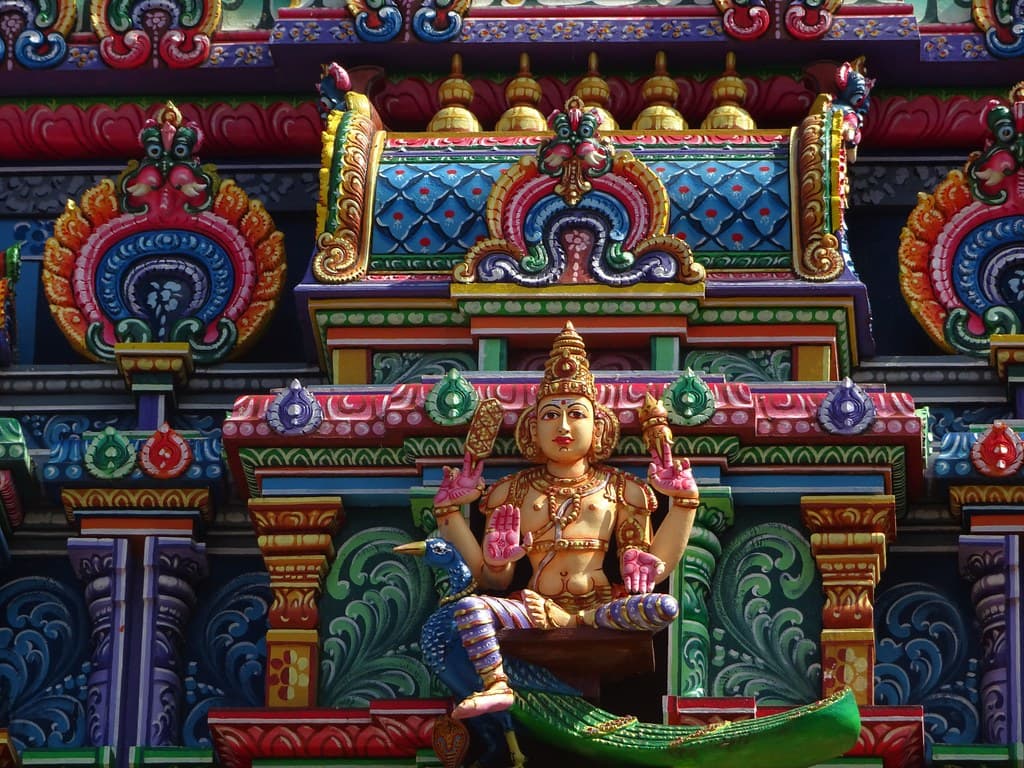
579, 212
167, 253
562, 516
960, 266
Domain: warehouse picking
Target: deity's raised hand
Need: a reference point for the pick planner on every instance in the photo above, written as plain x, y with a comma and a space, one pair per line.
672, 477
461, 486
640, 571
502, 539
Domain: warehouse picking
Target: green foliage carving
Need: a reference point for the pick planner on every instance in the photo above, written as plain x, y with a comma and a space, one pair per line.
750, 366
401, 367
761, 644
374, 605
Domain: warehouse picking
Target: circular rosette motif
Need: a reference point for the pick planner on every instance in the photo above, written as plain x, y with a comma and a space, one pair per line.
294, 411
165, 455
998, 452
689, 400
962, 251
846, 410
211, 278
110, 455
452, 401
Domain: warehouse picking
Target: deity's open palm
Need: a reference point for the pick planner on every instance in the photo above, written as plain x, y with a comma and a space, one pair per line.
672, 477
460, 486
502, 539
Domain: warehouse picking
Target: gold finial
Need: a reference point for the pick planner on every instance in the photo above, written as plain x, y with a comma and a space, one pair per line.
455, 95
729, 93
169, 113
1017, 92
523, 94
660, 92
596, 94
567, 370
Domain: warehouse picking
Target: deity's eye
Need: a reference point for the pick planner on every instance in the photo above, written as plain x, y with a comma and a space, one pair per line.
549, 415
181, 151
1004, 133
153, 151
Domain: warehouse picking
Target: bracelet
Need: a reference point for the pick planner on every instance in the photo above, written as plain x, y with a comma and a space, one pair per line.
686, 502
446, 510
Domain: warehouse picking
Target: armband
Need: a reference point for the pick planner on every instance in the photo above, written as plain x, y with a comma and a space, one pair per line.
686, 502
446, 510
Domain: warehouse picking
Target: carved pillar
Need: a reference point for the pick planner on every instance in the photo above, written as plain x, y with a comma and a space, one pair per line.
139, 613
689, 637
294, 535
101, 564
172, 566
848, 540
992, 565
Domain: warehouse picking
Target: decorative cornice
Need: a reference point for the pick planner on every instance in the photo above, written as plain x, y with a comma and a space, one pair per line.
156, 499
386, 729
994, 495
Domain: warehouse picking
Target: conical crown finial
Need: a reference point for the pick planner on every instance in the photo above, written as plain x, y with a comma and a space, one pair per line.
567, 370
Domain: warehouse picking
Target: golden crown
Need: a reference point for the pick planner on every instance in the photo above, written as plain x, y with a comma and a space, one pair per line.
567, 370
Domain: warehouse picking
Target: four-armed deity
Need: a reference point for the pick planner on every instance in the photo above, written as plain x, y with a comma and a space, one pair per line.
562, 516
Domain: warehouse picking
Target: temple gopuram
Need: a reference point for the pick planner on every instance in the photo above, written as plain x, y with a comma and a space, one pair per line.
547, 293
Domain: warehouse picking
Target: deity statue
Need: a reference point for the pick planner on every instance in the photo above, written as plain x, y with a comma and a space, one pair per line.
561, 516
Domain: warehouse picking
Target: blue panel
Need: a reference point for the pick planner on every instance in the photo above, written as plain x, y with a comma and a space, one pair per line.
779, 489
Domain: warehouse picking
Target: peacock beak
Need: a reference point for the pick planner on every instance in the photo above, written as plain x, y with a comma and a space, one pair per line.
416, 548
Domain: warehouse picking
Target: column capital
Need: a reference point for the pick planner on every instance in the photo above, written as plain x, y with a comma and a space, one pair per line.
855, 514
277, 515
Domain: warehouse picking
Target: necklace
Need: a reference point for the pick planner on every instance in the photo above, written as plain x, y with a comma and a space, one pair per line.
565, 494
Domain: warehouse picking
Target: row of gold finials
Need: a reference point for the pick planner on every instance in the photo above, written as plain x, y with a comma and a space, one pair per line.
660, 94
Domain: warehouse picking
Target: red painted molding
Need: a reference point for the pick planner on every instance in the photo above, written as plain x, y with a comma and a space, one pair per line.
69, 132
385, 729
101, 131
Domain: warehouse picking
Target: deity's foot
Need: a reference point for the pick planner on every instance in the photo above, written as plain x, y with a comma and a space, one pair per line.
495, 698
545, 613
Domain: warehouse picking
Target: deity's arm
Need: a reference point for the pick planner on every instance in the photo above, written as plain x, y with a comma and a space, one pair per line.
460, 486
674, 532
674, 478
634, 525
452, 526
636, 503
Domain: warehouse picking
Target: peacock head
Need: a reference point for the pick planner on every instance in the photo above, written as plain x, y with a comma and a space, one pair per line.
436, 552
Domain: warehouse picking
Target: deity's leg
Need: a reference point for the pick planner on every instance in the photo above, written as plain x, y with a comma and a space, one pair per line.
475, 623
636, 612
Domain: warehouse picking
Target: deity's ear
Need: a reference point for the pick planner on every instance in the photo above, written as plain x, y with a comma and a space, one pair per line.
526, 434
606, 433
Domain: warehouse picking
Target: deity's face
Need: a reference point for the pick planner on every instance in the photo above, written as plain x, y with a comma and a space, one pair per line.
565, 428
